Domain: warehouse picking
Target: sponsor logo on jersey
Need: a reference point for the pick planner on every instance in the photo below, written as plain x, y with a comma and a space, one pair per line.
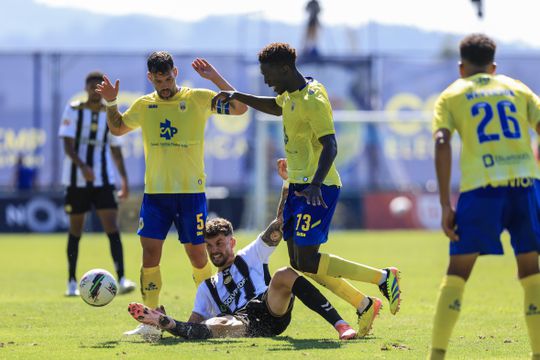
167, 131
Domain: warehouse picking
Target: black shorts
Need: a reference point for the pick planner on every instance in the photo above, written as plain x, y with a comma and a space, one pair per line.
260, 321
81, 200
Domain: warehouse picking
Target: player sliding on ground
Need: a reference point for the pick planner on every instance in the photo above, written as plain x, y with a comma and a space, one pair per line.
492, 115
241, 300
311, 147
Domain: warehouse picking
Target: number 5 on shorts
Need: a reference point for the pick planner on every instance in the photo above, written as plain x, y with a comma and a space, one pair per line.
200, 221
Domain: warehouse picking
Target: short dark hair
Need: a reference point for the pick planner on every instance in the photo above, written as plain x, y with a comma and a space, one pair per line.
217, 226
277, 53
478, 49
93, 76
160, 62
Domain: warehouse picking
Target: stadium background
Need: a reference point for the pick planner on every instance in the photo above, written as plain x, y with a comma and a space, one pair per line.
382, 102
385, 146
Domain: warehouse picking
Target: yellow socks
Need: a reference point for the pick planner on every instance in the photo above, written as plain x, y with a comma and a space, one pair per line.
531, 287
447, 311
199, 275
341, 288
150, 286
335, 266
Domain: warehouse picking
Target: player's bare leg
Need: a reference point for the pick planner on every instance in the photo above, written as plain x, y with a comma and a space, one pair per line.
198, 257
76, 222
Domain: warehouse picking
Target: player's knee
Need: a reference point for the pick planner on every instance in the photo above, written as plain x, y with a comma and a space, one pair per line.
285, 277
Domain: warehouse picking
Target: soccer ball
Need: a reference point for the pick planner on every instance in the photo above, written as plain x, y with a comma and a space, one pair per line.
98, 287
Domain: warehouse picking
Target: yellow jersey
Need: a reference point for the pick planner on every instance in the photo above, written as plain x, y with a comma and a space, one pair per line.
307, 116
173, 138
492, 115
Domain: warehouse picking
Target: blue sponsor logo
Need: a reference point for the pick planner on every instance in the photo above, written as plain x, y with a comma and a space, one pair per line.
488, 160
152, 106
166, 130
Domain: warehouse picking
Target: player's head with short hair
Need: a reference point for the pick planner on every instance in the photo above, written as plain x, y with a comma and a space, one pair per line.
477, 52
160, 62
220, 242
278, 53
217, 226
93, 78
162, 74
278, 66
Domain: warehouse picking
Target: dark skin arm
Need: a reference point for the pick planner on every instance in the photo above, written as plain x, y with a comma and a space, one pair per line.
116, 152
69, 148
265, 104
443, 167
312, 193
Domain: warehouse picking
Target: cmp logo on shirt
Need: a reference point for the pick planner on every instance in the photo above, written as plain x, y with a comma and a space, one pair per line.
166, 130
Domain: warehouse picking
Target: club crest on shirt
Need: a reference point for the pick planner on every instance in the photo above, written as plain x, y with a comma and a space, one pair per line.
94, 127
227, 279
182, 106
293, 106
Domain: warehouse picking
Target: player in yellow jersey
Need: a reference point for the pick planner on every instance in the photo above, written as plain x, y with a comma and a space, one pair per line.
172, 120
492, 115
311, 147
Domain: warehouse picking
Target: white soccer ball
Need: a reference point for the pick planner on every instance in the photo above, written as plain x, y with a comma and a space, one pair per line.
400, 205
98, 287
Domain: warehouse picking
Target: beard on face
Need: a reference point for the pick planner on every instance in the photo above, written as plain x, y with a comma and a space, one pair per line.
165, 93
220, 261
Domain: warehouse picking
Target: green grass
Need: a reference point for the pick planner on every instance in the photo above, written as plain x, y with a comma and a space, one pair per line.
38, 322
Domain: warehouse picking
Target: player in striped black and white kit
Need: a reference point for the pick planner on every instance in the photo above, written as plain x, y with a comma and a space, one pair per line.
242, 300
89, 177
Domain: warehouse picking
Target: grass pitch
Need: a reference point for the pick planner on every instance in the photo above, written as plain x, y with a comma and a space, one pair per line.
38, 322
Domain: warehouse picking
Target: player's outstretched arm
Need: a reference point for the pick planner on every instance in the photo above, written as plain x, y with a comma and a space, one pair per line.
118, 158
109, 92
209, 72
265, 104
274, 232
443, 167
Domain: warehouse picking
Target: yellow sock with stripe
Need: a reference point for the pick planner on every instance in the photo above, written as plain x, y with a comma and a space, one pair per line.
335, 266
447, 311
341, 288
199, 275
150, 286
531, 288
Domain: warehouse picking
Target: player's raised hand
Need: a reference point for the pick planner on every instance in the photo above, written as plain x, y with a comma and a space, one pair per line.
448, 222
282, 168
107, 90
224, 97
204, 69
313, 195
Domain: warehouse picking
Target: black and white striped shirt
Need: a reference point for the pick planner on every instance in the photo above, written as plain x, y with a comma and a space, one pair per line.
92, 140
236, 285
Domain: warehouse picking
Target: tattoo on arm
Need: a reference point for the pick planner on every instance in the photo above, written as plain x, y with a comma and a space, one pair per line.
273, 234
281, 205
114, 118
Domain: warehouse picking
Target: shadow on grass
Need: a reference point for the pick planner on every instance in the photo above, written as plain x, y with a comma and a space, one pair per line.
170, 340
103, 345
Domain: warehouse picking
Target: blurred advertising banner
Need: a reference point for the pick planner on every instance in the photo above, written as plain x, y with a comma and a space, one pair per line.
29, 212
